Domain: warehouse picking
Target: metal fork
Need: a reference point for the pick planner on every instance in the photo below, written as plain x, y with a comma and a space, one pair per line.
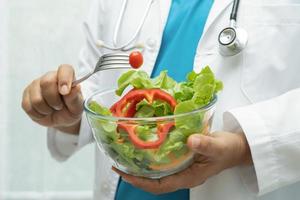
106, 62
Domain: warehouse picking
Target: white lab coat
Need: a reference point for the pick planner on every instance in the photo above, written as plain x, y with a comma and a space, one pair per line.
261, 93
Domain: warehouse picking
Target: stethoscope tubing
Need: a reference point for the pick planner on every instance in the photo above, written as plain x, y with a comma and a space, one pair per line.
234, 11
127, 46
118, 25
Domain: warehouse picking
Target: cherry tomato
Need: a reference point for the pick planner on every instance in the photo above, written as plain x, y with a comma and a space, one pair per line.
136, 59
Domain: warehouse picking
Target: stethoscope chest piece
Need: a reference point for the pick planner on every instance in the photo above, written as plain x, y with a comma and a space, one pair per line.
232, 41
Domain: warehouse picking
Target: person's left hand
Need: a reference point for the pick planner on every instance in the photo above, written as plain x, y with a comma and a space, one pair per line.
216, 152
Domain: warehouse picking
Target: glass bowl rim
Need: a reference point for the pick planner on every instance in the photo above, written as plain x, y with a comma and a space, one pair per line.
162, 118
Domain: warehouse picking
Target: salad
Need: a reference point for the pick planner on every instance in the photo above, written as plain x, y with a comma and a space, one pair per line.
146, 147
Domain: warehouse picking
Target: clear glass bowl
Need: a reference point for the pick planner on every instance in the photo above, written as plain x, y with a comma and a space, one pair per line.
168, 158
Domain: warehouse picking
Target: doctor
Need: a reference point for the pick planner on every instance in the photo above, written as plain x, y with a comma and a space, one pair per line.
255, 154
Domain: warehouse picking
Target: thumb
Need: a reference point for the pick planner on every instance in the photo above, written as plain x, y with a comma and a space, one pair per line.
205, 145
65, 76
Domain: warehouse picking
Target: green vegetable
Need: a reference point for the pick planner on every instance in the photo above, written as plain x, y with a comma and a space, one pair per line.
146, 133
138, 79
199, 87
183, 91
106, 128
163, 81
126, 154
141, 80
191, 123
105, 131
175, 141
205, 86
197, 91
156, 109
94, 106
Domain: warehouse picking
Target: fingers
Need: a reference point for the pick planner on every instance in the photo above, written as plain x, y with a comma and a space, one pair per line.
65, 76
188, 178
37, 100
27, 107
205, 145
149, 185
74, 101
49, 90
53, 85
51, 100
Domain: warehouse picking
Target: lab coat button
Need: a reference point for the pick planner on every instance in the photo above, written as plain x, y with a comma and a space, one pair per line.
106, 188
151, 43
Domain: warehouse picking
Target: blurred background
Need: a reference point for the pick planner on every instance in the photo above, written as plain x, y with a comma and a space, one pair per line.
35, 37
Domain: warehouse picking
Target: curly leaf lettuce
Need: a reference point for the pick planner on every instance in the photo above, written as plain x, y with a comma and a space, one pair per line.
205, 86
191, 123
137, 79
141, 80
197, 91
156, 109
107, 126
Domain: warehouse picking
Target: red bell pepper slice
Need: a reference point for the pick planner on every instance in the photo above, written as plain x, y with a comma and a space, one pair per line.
126, 107
162, 132
134, 96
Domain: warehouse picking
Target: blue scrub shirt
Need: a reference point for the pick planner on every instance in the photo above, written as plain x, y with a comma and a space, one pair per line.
181, 36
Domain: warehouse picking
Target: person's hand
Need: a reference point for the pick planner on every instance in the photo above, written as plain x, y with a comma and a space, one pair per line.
219, 151
52, 102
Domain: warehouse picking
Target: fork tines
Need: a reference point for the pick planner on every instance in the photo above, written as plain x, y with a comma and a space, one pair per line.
114, 59
112, 55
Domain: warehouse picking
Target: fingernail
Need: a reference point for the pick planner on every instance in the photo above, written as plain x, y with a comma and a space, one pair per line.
64, 89
58, 107
195, 142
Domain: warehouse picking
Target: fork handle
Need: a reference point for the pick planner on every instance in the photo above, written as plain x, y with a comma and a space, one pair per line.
77, 81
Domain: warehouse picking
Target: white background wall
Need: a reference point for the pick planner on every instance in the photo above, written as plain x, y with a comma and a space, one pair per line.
41, 34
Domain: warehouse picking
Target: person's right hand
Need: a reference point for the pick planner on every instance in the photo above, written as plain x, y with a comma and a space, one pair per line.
52, 102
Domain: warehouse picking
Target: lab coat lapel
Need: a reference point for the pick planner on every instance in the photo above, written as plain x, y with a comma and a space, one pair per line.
161, 8
164, 8
217, 8
208, 43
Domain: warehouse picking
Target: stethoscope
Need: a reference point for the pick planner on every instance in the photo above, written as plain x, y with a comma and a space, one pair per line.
126, 46
232, 40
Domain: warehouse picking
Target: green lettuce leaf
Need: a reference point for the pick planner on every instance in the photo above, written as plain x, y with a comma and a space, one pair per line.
191, 76
205, 86
144, 109
141, 80
137, 79
163, 81
174, 142
126, 154
191, 123
161, 108
146, 133
183, 92
106, 125
97, 108
156, 109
